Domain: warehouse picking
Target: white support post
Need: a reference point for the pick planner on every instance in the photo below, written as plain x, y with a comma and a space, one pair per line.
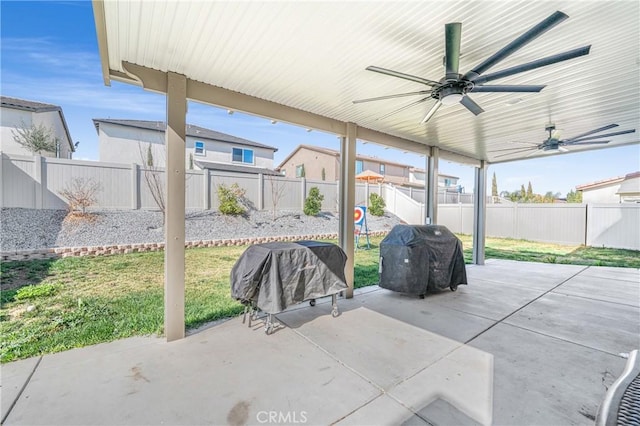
479, 213
347, 202
206, 189
431, 191
135, 186
175, 207
261, 191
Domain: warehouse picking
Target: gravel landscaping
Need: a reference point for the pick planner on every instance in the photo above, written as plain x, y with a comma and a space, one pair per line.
28, 229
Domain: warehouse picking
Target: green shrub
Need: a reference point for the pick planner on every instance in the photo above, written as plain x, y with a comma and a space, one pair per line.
376, 205
229, 198
313, 203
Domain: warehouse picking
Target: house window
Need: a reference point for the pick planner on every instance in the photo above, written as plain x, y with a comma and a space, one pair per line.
240, 155
359, 166
447, 182
199, 148
382, 169
300, 171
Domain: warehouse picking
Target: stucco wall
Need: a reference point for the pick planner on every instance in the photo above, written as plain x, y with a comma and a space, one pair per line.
314, 162
12, 118
604, 194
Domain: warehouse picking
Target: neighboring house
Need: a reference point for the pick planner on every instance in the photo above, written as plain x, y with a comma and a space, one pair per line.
317, 161
142, 142
622, 189
417, 176
18, 113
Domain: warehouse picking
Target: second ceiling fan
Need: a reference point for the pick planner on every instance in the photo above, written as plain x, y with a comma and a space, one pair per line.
455, 87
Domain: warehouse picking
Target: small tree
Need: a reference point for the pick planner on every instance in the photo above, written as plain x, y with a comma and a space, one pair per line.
80, 194
229, 198
494, 186
154, 179
574, 196
313, 203
376, 204
277, 192
530, 195
150, 162
35, 138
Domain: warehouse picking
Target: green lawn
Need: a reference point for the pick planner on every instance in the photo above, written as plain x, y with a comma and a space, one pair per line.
53, 305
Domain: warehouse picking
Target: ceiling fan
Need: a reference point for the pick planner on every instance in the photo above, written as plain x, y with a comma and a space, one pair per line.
554, 144
455, 87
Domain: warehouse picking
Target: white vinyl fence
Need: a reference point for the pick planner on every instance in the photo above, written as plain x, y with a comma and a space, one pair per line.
599, 225
36, 182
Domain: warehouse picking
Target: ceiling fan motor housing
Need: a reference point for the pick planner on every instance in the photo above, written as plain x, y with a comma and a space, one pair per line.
458, 87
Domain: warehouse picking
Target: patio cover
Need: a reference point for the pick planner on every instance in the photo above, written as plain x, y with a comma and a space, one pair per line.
242, 56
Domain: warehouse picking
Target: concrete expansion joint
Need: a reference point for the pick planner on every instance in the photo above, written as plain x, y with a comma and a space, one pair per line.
24, 386
105, 250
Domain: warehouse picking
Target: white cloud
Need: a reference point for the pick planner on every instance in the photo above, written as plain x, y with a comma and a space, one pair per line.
85, 93
45, 52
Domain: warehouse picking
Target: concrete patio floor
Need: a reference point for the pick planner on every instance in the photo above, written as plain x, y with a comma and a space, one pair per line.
523, 343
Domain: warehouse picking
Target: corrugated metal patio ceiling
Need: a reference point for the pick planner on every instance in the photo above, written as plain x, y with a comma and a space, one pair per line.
312, 56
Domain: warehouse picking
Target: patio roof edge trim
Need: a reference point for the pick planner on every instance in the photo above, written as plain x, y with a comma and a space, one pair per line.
155, 80
101, 34
447, 155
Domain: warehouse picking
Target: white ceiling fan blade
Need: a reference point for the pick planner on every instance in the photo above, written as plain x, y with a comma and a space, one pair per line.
432, 111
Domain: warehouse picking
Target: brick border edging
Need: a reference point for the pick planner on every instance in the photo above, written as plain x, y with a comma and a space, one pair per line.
17, 255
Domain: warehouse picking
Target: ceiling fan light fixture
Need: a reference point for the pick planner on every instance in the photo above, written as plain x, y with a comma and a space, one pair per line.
452, 99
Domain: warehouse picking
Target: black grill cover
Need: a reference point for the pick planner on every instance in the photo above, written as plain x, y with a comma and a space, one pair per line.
418, 259
273, 276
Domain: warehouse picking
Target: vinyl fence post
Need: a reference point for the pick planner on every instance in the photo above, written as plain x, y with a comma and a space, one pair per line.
366, 194
586, 224
206, 189
135, 186
261, 191
515, 222
2, 180
303, 189
39, 176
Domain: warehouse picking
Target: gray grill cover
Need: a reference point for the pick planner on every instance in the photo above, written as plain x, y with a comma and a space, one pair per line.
418, 259
274, 276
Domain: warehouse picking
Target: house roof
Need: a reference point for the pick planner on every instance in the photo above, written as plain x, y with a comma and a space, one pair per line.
33, 106
606, 182
225, 167
28, 105
336, 154
630, 186
192, 130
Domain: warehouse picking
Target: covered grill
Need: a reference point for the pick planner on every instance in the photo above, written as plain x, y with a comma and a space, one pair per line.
273, 276
419, 259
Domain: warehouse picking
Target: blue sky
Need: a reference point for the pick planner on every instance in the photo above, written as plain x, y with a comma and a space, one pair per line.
49, 53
